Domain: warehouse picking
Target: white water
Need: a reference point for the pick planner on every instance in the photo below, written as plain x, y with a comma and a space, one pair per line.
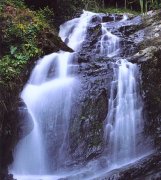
109, 42
124, 120
48, 97
44, 96
76, 29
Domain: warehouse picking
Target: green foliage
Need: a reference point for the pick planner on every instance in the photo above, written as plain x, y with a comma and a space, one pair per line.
16, 3
10, 67
45, 14
144, 5
19, 36
155, 4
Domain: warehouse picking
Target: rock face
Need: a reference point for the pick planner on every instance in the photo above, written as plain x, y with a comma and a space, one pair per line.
149, 58
86, 129
96, 74
141, 44
146, 168
146, 43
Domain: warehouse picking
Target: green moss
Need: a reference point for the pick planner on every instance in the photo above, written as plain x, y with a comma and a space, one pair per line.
17, 3
20, 29
96, 141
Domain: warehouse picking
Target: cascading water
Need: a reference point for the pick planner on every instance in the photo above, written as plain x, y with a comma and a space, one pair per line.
109, 42
75, 32
124, 120
48, 97
44, 96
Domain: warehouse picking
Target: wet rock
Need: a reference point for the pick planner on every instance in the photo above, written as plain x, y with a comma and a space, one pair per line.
25, 126
108, 18
148, 57
140, 43
146, 54
89, 112
49, 42
96, 19
148, 168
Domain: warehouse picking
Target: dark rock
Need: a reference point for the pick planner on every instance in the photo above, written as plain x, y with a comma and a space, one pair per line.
112, 17
89, 112
148, 57
148, 168
107, 18
49, 42
96, 19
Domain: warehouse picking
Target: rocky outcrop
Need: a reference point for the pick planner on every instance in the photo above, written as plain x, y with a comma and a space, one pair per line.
95, 73
49, 42
141, 44
89, 112
149, 59
148, 168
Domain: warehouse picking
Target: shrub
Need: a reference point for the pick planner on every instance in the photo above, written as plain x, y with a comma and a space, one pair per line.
20, 28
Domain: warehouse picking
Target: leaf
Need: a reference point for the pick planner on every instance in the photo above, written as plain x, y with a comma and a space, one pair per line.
13, 50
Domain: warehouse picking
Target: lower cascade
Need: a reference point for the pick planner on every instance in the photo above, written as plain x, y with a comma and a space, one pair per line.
49, 98
44, 101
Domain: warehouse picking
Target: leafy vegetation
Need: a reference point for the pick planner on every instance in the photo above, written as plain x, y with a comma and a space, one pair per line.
19, 32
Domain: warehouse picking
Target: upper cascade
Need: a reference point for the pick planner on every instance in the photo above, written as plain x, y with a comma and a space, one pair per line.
73, 32
109, 42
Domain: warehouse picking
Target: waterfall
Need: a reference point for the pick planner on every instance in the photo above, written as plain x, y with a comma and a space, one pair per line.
124, 120
44, 95
76, 29
48, 97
